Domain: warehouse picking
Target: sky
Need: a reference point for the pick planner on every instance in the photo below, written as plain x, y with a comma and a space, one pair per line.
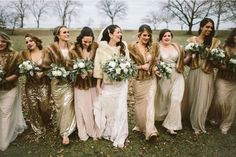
137, 10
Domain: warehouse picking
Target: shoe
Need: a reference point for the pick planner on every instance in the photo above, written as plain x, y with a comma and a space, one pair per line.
172, 132
224, 131
65, 140
197, 132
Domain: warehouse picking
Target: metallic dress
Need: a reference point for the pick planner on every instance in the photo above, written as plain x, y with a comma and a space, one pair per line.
62, 94
37, 92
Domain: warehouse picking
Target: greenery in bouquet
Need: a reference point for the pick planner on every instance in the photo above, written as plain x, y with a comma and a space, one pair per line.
118, 69
58, 72
28, 68
217, 56
2, 73
232, 63
81, 67
196, 49
164, 69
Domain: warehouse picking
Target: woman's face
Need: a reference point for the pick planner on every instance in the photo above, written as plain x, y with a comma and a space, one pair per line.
207, 29
166, 39
116, 36
144, 37
3, 44
30, 43
87, 41
64, 34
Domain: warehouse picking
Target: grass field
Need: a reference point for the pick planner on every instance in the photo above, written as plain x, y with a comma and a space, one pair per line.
184, 144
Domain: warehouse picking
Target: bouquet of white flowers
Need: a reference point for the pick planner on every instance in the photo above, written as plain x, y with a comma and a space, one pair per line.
118, 69
164, 69
2, 73
58, 72
232, 63
28, 68
81, 67
217, 55
196, 49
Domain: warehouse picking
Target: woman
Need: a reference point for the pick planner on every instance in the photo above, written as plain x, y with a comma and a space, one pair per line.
62, 91
37, 88
200, 81
143, 53
224, 101
111, 105
84, 86
170, 91
12, 122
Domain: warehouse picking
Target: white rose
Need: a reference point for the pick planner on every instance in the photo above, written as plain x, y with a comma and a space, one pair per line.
112, 64
54, 73
75, 66
81, 65
29, 67
125, 70
232, 61
118, 70
128, 64
122, 66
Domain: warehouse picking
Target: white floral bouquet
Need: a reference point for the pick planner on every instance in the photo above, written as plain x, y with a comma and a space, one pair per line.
217, 55
118, 69
164, 69
28, 68
232, 63
2, 73
58, 72
81, 67
196, 49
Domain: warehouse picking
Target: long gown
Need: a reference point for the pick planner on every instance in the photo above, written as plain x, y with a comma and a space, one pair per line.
12, 121
200, 88
110, 107
223, 107
38, 95
144, 92
84, 97
62, 94
170, 93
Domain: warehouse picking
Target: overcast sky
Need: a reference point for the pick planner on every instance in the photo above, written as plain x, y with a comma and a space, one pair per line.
137, 9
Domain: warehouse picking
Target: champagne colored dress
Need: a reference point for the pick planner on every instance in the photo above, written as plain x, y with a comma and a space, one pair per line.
38, 94
170, 91
144, 91
84, 97
62, 94
110, 107
224, 101
200, 88
12, 121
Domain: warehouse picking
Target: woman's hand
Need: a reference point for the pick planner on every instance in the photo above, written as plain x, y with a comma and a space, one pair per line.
145, 66
38, 75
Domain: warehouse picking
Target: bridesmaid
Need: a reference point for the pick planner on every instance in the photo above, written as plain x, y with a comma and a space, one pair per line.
37, 88
62, 91
12, 122
84, 88
224, 101
143, 53
200, 81
170, 91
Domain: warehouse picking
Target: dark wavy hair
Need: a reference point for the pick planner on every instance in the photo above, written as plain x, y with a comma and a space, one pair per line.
230, 40
147, 28
162, 32
56, 32
105, 37
208, 39
36, 40
86, 31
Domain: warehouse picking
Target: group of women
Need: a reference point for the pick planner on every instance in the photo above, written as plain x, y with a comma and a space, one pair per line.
97, 105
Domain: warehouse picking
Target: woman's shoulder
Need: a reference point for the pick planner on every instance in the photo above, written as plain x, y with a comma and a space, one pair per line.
131, 45
192, 39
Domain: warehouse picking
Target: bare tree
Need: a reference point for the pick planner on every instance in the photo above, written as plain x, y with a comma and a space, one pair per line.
38, 8
112, 8
153, 18
232, 10
66, 9
3, 17
20, 7
190, 12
